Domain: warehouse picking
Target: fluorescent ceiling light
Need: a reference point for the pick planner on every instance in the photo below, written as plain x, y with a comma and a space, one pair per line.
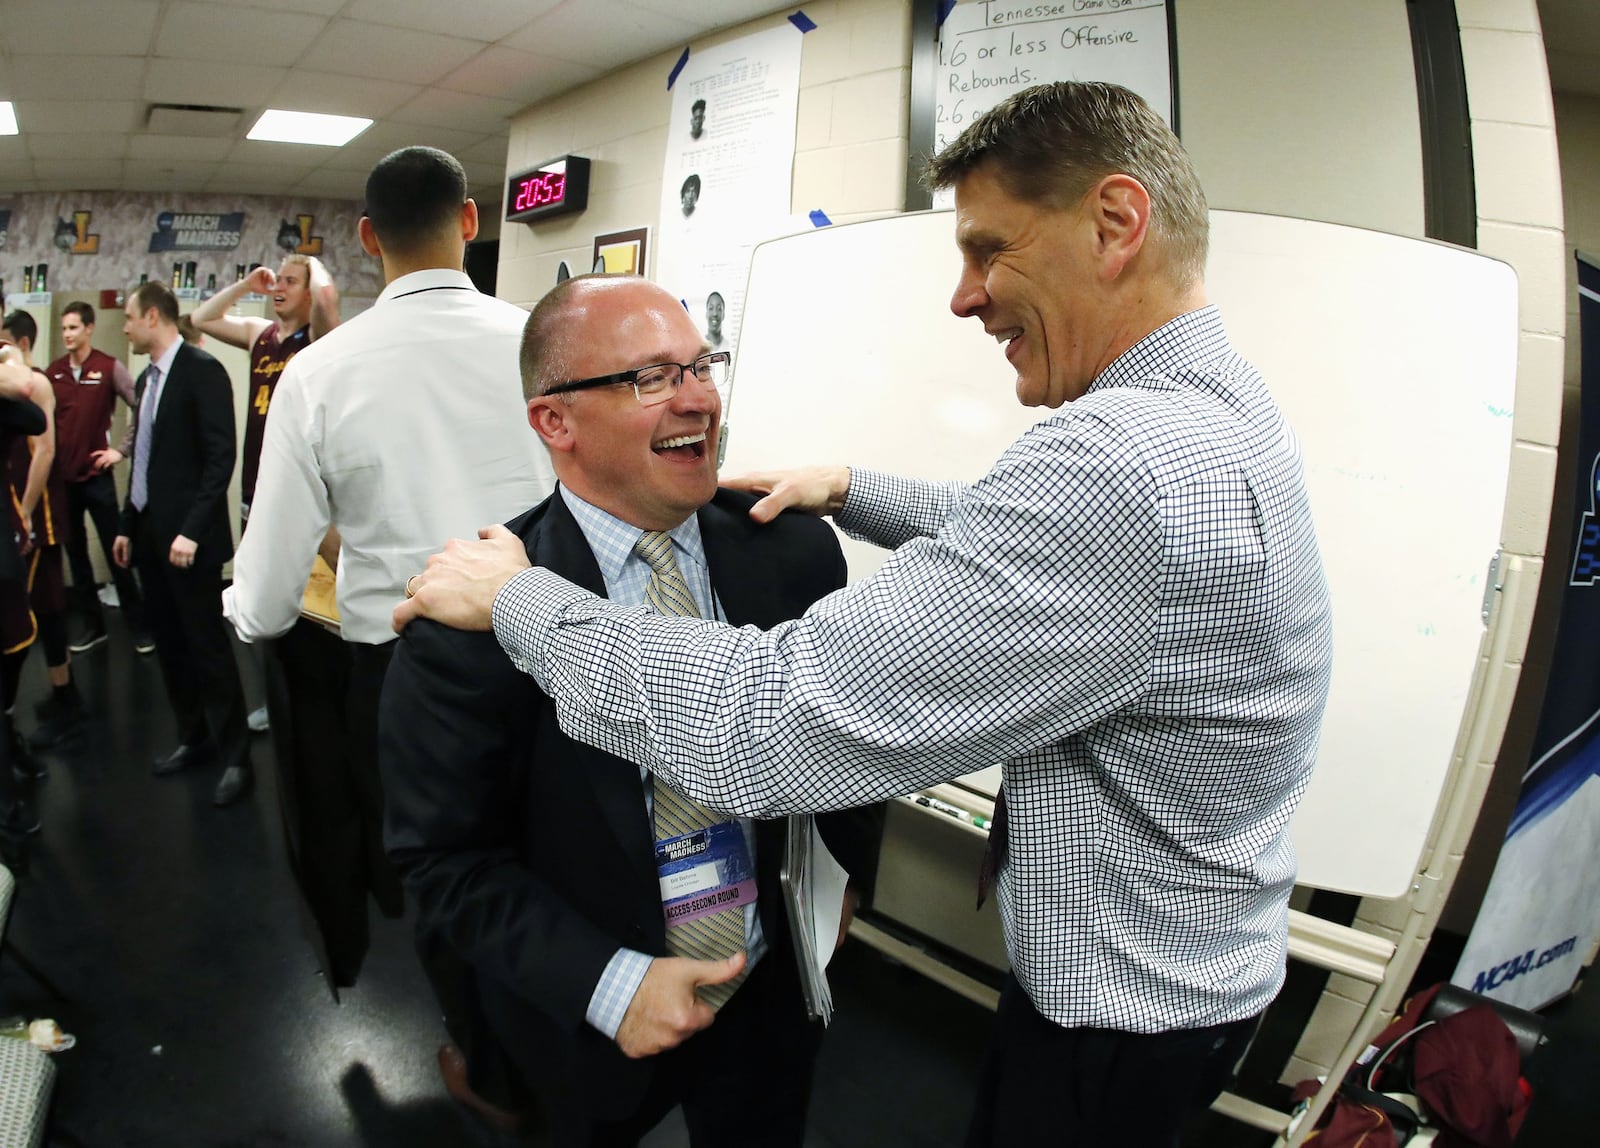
307, 128
8, 119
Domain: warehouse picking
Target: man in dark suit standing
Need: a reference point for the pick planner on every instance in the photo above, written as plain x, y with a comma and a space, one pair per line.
553, 884
175, 531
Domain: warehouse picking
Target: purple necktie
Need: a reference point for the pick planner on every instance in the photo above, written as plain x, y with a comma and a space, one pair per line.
140, 488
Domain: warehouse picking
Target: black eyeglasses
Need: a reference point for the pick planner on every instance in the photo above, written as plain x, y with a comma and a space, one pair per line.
658, 382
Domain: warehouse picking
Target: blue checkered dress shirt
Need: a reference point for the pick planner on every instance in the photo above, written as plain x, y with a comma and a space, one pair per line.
1128, 612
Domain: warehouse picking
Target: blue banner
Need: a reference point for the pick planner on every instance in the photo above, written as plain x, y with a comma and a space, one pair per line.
1541, 912
197, 231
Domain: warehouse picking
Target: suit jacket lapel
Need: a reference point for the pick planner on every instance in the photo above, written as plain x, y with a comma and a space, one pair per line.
742, 568
557, 543
166, 393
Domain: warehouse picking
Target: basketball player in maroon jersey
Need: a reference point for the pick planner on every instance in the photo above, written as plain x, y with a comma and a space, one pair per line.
37, 494
305, 305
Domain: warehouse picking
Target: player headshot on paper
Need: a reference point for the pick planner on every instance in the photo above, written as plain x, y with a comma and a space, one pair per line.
689, 194
697, 119
716, 309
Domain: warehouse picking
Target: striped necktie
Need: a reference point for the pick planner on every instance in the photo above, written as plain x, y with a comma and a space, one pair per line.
720, 934
139, 486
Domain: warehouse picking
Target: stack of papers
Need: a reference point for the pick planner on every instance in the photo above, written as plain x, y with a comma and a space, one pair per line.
813, 896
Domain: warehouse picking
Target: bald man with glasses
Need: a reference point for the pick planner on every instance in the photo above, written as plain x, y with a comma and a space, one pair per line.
569, 881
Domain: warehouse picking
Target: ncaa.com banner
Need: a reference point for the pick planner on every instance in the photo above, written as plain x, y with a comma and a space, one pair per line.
1542, 910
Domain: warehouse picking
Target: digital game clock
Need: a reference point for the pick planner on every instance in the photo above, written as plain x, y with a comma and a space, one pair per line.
559, 187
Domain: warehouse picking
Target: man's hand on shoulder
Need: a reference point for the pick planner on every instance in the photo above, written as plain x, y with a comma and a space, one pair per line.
813, 489
461, 581
665, 1011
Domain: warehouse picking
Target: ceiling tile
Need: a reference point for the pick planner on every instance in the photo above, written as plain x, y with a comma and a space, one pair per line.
353, 160
302, 158
514, 75
491, 150
230, 85
253, 35
322, 7
87, 27
491, 19
711, 14
82, 174
181, 149
15, 185
156, 175
485, 172
332, 184
238, 180
359, 49
80, 115
46, 77
381, 139
78, 145
308, 91
485, 61
606, 36
458, 110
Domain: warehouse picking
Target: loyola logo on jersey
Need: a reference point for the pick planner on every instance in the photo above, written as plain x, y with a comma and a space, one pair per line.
296, 237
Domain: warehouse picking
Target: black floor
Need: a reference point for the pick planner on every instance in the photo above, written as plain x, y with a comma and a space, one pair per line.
171, 932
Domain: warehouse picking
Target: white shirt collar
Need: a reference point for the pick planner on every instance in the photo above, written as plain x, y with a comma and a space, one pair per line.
164, 363
426, 280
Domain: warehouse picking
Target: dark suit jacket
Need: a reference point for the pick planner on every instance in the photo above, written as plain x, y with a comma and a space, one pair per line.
191, 460
532, 853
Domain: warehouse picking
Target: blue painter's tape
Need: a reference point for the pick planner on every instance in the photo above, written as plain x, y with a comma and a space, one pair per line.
819, 219
945, 8
672, 76
803, 22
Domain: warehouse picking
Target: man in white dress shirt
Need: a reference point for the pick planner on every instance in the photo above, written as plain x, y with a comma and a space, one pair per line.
401, 428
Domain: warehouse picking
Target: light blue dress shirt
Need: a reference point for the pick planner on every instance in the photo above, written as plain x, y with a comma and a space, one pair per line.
626, 575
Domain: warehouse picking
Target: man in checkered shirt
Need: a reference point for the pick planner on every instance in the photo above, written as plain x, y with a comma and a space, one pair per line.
1128, 611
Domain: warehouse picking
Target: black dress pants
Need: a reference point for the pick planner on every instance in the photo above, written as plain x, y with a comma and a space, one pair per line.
97, 497
1044, 1086
744, 1082
369, 665
319, 691
183, 610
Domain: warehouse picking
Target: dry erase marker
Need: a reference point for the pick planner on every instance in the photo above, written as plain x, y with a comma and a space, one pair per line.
949, 810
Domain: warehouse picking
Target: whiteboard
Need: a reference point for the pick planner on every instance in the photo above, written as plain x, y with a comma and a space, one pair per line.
1393, 358
989, 51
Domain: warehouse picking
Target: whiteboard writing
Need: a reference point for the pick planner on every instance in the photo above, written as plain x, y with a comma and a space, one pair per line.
987, 51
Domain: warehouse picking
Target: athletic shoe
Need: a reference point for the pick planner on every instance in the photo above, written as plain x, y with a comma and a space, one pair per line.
88, 640
144, 643
257, 720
